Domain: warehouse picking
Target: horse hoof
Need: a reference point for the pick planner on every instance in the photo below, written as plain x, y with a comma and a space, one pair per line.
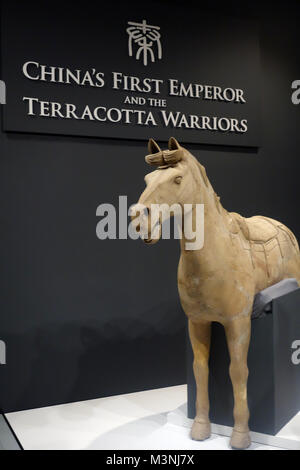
200, 431
240, 440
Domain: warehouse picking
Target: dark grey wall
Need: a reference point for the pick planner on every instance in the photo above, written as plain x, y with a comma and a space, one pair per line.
83, 318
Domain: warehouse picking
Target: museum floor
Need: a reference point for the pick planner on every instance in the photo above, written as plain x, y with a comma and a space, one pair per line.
140, 420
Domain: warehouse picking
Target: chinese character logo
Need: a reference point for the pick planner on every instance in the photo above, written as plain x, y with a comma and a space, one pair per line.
146, 38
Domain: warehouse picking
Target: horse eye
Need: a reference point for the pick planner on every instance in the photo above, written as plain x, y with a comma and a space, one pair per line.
178, 179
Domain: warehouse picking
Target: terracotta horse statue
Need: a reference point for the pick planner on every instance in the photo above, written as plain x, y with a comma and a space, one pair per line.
217, 283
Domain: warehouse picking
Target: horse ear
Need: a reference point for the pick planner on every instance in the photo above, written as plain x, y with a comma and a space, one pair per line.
153, 147
173, 144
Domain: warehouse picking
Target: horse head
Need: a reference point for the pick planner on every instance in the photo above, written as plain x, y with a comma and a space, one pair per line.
175, 182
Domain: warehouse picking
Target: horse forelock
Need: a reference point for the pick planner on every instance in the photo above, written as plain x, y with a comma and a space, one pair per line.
165, 158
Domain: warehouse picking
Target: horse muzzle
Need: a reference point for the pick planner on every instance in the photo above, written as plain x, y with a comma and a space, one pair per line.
148, 225
155, 234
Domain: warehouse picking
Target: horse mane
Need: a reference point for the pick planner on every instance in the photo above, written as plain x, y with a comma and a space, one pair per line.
206, 181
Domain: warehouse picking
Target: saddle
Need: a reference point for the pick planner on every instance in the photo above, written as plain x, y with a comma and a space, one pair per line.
257, 229
263, 238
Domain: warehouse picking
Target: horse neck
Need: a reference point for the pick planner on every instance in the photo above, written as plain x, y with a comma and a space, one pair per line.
216, 224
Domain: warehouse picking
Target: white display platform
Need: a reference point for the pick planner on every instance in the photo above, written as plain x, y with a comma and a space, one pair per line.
287, 438
152, 419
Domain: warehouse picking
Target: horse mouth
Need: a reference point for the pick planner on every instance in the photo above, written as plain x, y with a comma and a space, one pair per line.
151, 241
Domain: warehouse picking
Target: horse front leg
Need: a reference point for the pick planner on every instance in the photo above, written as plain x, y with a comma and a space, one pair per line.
200, 339
238, 337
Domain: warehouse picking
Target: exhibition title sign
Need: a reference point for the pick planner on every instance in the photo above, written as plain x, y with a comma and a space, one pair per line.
140, 78
133, 86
